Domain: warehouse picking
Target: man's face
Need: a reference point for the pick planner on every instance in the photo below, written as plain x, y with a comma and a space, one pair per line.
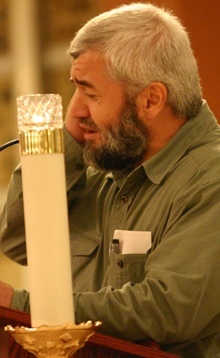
122, 145
115, 138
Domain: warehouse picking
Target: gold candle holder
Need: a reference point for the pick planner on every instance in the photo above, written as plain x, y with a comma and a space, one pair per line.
53, 341
47, 234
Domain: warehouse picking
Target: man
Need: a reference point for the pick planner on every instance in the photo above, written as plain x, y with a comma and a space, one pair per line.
142, 154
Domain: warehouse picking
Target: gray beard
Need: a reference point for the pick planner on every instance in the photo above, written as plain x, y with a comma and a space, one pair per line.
123, 145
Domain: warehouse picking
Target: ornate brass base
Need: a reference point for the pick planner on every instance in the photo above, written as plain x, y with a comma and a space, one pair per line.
54, 342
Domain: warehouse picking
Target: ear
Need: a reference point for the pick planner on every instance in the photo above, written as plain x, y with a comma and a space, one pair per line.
152, 99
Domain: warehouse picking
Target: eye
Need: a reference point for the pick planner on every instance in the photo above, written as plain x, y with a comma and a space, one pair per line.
89, 95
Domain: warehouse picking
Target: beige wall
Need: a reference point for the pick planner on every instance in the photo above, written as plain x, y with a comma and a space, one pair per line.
201, 19
12, 273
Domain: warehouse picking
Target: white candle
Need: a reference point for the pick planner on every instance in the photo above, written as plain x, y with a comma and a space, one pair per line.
45, 210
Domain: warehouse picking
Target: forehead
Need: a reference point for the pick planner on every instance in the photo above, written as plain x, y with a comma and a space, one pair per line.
87, 63
90, 69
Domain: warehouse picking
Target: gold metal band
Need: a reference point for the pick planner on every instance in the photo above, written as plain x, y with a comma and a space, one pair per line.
42, 141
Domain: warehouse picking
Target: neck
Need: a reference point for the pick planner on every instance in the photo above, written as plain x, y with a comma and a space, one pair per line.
162, 129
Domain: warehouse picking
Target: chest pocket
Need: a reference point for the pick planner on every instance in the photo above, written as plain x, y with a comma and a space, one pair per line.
126, 268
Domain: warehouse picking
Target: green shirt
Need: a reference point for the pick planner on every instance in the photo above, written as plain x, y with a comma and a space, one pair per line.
171, 293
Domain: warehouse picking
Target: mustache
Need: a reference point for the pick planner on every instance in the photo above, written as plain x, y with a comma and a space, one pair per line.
88, 121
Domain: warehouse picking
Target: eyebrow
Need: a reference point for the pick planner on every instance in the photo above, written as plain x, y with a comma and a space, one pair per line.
83, 83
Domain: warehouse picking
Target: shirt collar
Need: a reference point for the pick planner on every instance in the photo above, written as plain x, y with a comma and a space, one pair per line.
160, 164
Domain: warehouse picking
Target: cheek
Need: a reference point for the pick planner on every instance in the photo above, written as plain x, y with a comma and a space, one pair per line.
105, 111
98, 113
105, 115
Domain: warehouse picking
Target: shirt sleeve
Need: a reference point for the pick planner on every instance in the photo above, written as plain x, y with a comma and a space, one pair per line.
178, 300
12, 231
20, 301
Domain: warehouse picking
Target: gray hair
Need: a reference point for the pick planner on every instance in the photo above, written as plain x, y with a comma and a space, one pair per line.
141, 44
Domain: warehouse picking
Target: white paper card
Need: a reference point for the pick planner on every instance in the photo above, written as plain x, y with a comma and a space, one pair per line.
133, 242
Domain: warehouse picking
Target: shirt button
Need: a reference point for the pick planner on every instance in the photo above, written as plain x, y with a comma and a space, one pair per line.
124, 198
120, 264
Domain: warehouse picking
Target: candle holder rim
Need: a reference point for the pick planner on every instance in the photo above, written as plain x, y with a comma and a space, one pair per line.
39, 95
68, 326
53, 341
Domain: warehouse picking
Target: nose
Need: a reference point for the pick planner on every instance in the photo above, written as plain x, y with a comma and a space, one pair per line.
77, 107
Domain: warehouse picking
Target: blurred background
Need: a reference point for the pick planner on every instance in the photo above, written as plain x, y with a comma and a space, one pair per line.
34, 38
